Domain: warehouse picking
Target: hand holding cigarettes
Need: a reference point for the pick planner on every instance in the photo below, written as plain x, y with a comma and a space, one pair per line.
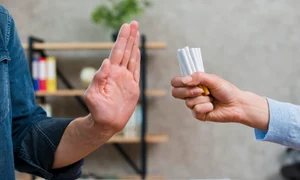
226, 102
190, 61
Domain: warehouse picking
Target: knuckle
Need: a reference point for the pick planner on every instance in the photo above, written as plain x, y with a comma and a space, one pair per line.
189, 103
131, 39
197, 115
191, 92
199, 110
118, 52
127, 53
132, 60
174, 93
197, 74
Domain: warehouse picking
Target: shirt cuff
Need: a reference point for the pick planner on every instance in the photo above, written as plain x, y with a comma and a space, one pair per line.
281, 124
36, 153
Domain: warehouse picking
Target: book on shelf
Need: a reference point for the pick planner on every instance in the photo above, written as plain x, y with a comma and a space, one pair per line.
44, 74
51, 74
35, 73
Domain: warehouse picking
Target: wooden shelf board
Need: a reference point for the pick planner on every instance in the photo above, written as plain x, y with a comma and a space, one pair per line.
87, 46
136, 177
121, 177
79, 92
150, 138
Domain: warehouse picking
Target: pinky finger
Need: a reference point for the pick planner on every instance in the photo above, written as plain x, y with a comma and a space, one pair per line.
137, 67
200, 110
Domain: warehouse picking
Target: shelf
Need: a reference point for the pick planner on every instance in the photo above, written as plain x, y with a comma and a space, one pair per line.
87, 46
150, 138
136, 177
125, 177
79, 92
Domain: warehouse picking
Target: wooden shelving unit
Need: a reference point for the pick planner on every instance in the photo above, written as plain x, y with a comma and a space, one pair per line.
87, 46
80, 92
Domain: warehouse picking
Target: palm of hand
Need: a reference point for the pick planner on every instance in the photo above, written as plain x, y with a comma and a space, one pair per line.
117, 100
114, 92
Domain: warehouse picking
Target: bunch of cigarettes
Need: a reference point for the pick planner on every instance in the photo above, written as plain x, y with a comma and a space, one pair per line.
190, 61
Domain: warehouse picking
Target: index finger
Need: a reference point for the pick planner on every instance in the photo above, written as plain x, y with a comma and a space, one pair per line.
177, 82
118, 49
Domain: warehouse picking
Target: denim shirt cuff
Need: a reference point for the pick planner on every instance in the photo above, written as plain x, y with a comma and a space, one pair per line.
36, 153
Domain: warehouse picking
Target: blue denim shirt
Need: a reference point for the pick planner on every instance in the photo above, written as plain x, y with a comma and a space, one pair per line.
28, 138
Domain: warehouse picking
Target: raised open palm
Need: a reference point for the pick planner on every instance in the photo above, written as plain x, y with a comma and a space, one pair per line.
113, 94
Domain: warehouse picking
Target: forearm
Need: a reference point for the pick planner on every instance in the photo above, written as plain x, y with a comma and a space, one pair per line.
80, 138
273, 121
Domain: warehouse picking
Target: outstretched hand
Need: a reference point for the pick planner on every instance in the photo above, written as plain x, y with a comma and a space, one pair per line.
113, 94
227, 103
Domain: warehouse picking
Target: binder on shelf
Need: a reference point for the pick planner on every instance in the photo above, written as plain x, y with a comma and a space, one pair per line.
51, 74
35, 74
42, 74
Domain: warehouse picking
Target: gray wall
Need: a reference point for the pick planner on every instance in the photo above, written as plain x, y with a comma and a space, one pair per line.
254, 44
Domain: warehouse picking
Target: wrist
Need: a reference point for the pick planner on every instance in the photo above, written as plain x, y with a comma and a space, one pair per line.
91, 133
255, 110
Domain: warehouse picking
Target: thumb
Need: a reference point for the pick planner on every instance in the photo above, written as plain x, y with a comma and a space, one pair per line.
103, 73
209, 80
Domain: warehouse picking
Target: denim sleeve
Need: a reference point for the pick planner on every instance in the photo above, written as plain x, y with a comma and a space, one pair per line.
35, 136
284, 125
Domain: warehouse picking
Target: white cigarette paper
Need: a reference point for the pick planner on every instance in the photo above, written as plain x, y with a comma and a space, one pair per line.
181, 65
186, 62
190, 60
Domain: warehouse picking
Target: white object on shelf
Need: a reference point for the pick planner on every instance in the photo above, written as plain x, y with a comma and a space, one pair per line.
86, 75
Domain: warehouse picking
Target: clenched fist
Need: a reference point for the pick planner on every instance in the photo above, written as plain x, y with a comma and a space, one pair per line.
227, 103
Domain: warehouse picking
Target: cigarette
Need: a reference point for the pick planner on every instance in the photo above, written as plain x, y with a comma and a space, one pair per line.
195, 59
189, 59
200, 59
186, 62
181, 65
179, 62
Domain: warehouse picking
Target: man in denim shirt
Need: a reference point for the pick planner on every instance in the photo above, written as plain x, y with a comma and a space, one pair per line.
53, 148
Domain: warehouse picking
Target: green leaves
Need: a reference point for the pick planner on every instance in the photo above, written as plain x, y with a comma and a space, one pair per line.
119, 12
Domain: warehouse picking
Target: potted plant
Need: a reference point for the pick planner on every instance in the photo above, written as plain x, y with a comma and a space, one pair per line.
117, 12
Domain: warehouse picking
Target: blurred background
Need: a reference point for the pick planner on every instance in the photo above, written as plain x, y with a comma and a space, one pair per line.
253, 44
